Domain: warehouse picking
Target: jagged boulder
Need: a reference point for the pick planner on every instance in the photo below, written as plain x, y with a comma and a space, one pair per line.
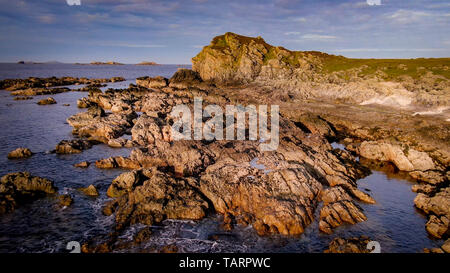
18, 188
47, 101
438, 207
351, 245
20, 153
185, 78
156, 82
74, 146
158, 196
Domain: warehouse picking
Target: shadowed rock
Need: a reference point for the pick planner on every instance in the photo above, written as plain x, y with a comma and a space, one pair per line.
18, 188
351, 245
75, 146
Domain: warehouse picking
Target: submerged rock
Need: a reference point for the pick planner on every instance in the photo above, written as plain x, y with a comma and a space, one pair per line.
33, 82
47, 101
84, 164
18, 188
23, 98
65, 200
20, 153
39, 91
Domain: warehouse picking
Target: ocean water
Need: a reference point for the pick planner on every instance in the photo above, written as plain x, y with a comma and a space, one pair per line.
43, 226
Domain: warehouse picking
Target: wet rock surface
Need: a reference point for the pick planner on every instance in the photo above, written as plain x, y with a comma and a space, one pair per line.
75, 146
91, 190
20, 153
157, 196
438, 207
47, 101
20, 84
22, 187
156, 82
65, 200
351, 245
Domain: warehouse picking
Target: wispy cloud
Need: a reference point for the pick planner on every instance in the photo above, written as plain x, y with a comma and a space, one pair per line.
403, 16
130, 45
299, 19
317, 37
292, 33
46, 18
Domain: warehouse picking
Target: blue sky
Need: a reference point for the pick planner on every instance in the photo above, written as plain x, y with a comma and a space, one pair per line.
132, 31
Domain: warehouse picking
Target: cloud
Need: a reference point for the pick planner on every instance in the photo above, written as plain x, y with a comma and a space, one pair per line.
299, 19
374, 2
131, 45
73, 2
403, 16
318, 37
46, 19
292, 33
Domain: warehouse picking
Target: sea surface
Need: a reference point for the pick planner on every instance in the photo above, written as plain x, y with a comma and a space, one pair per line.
43, 226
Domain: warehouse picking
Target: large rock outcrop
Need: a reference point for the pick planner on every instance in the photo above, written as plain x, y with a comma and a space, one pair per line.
236, 59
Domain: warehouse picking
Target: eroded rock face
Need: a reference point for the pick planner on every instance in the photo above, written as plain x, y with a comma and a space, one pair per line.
125, 183
351, 245
75, 146
91, 190
95, 125
18, 188
235, 59
276, 192
158, 196
405, 160
149, 129
20, 153
438, 206
281, 201
156, 82
338, 208
185, 78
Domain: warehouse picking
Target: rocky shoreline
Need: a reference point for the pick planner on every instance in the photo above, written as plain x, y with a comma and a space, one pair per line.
274, 192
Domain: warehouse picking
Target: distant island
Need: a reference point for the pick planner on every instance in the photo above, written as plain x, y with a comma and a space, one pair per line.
30, 62
147, 63
105, 63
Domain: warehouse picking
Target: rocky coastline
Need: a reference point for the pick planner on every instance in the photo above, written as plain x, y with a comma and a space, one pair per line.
274, 192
